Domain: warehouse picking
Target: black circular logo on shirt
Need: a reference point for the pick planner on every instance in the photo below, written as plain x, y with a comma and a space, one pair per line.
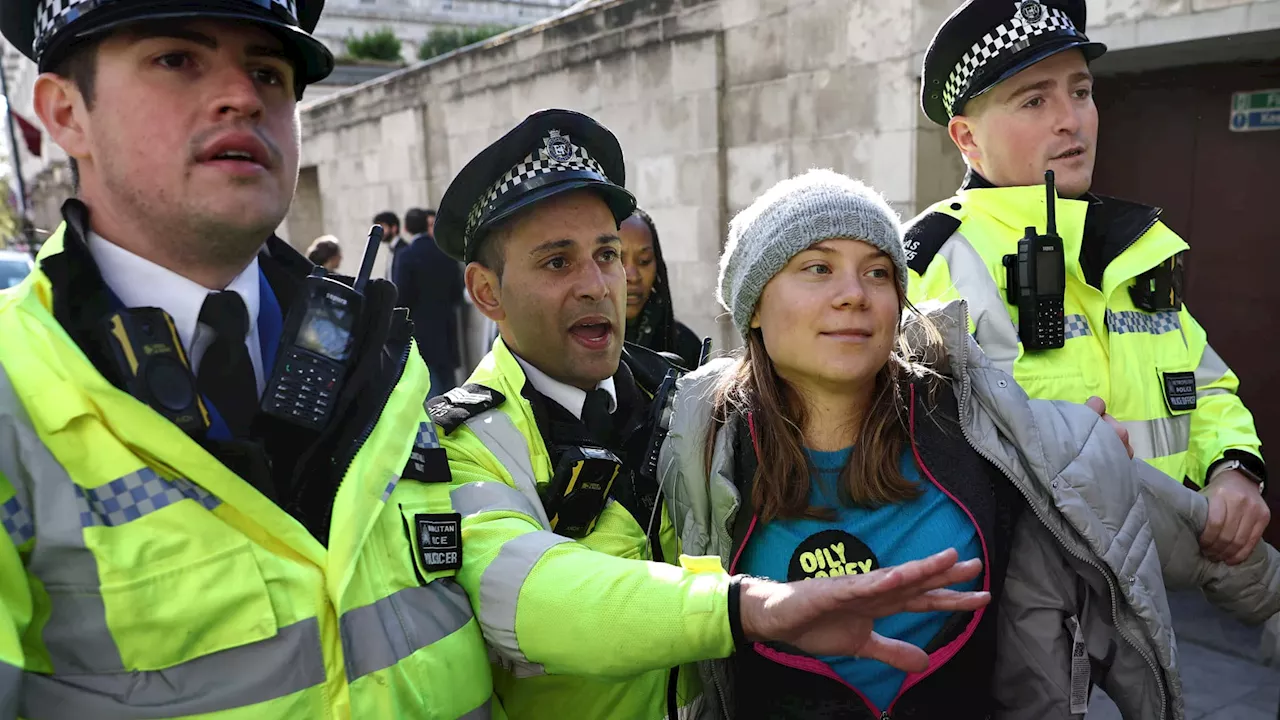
831, 553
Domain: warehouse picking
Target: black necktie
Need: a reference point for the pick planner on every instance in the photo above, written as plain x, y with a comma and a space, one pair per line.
595, 415
226, 373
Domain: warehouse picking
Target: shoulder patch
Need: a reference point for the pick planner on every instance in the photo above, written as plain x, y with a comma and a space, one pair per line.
925, 236
461, 404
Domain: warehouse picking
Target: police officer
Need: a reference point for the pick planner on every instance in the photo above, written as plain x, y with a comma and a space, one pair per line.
1011, 82
564, 538
168, 548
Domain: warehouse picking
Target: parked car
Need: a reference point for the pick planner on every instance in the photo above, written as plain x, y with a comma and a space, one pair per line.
14, 266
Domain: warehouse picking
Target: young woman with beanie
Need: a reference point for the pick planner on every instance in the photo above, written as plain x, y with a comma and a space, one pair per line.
847, 437
651, 318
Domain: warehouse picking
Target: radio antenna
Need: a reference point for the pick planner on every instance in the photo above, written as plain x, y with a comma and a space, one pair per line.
1050, 196
370, 252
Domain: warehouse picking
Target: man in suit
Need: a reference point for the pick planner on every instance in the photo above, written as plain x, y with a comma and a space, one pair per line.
430, 285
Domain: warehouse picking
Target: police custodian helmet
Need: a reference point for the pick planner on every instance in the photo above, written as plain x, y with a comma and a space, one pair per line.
987, 41
550, 152
44, 30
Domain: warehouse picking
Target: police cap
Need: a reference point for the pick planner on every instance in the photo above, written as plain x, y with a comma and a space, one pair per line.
44, 30
987, 41
550, 152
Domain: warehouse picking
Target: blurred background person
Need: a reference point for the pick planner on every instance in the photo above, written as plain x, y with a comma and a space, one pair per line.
430, 285
325, 252
651, 320
392, 244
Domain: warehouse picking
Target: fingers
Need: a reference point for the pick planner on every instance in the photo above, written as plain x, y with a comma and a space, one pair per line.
948, 600
898, 654
882, 601
1096, 404
1122, 431
1213, 527
1255, 517
1099, 406
886, 580
957, 573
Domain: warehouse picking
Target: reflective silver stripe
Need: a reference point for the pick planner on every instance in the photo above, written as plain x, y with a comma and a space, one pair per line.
993, 328
16, 520
1076, 326
511, 449
478, 497
1212, 369
139, 493
10, 686
1137, 321
500, 592
238, 677
1159, 437
484, 712
76, 634
380, 635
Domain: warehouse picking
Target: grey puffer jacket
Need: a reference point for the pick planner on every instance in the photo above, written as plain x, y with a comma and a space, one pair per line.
1100, 540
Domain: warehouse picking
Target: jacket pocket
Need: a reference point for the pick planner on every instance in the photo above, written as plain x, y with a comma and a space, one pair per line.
170, 617
1069, 385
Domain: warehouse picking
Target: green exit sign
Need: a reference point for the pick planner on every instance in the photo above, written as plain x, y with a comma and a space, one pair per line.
1255, 110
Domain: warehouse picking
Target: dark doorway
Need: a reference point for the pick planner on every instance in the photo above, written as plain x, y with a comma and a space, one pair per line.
1165, 140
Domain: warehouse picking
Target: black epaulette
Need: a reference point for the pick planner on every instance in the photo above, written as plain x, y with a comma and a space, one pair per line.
461, 404
648, 367
924, 237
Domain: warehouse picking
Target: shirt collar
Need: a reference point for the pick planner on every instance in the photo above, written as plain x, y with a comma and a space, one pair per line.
138, 282
568, 396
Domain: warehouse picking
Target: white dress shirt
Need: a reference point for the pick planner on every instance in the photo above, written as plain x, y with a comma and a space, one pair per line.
568, 396
138, 282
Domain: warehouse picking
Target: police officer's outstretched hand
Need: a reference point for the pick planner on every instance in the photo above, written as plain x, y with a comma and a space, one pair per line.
834, 616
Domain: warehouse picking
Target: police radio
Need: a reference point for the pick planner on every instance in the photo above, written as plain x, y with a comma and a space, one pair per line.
316, 346
1036, 281
143, 344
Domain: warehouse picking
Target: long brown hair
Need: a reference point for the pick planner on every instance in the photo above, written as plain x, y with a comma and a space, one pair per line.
872, 477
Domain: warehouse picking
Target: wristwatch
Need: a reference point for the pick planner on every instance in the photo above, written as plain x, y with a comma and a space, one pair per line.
1226, 465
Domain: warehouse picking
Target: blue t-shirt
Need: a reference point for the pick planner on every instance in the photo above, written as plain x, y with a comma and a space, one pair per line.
859, 540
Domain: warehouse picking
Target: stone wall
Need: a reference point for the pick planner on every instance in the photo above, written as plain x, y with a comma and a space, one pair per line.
713, 102
651, 72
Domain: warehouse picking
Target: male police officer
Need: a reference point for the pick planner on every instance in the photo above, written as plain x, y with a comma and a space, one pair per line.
563, 538
1010, 80
155, 564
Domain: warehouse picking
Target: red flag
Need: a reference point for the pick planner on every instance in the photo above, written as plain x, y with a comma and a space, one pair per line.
31, 135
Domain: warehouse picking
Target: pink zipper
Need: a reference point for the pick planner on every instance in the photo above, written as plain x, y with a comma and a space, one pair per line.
941, 656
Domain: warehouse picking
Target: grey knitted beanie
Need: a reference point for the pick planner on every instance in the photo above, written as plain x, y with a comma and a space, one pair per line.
791, 217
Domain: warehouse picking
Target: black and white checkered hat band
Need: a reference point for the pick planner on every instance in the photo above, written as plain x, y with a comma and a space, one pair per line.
53, 15
1014, 35
539, 162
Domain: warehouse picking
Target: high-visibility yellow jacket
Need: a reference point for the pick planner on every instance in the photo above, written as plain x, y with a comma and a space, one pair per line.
1127, 356
142, 579
581, 629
